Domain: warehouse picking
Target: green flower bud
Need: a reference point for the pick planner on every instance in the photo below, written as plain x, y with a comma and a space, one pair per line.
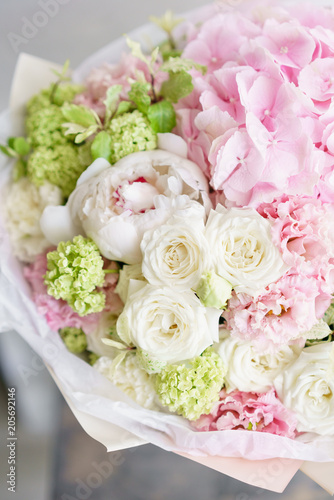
213, 290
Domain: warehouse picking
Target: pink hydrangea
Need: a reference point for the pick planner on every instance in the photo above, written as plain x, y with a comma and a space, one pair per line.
281, 314
302, 229
58, 313
250, 411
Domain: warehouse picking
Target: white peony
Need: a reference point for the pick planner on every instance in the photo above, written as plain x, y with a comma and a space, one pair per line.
176, 254
242, 249
25, 203
250, 370
171, 326
115, 205
131, 379
307, 387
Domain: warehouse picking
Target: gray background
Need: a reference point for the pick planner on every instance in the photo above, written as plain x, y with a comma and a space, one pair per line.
53, 452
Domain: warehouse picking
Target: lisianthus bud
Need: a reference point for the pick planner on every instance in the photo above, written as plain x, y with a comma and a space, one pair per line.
213, 290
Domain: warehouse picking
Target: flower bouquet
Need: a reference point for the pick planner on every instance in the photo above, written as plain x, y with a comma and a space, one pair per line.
166, 241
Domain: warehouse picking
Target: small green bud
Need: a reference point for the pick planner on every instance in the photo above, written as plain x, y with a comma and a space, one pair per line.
213, 290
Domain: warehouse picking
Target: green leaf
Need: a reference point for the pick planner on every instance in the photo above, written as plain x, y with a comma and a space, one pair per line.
6, 150
20, 145
162, 117
62, 74
80, 115
167, 22
123, 107
73, 128
139, 95
19, 170
101, 146
176, 64
87, 133
179, 85
138, 53
111, 101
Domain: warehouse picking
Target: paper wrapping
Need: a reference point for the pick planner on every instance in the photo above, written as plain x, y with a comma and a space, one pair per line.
104, 411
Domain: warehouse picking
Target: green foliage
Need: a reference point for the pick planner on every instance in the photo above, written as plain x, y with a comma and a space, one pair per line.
139, 94
178, 86
101, 146
162, 117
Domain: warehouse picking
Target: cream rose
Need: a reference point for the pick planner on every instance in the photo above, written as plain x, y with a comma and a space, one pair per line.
115, 205
307, 387
176, 254
242, 249
170, 325
250, 370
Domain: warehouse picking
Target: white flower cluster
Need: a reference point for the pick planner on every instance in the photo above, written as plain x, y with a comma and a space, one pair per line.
25, 204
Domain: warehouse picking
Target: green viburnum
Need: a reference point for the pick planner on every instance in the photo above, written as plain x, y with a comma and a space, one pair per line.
61, 165
44, 127
74, 339
63, 93
75, 269
131, 132
92, 358
192, 388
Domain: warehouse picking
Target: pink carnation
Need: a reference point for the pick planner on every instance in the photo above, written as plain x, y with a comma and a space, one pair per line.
302, 229
250, 411
58, 313
281, 314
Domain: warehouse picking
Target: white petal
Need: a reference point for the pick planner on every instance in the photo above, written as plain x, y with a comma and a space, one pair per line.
57, 225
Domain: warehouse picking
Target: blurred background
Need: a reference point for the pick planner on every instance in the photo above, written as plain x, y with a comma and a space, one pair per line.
56, 460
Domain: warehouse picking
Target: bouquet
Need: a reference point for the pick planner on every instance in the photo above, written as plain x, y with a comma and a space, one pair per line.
166, 241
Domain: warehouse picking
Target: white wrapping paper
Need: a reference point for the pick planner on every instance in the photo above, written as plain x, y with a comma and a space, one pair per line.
104, 411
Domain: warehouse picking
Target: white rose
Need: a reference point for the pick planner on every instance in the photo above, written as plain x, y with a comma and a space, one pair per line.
176, 254
115, 205
127, 273
131, 379
250, 370
307, 387
170, 325
25, 203
242, 249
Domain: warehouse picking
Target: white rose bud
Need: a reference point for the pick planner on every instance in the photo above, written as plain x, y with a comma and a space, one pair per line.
169, 325
307, 387
242, 249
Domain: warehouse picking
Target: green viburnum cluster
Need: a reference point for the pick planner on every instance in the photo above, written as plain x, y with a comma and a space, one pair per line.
75, 269
74, 339
191, 389
130, 133
54, 158
61, 165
